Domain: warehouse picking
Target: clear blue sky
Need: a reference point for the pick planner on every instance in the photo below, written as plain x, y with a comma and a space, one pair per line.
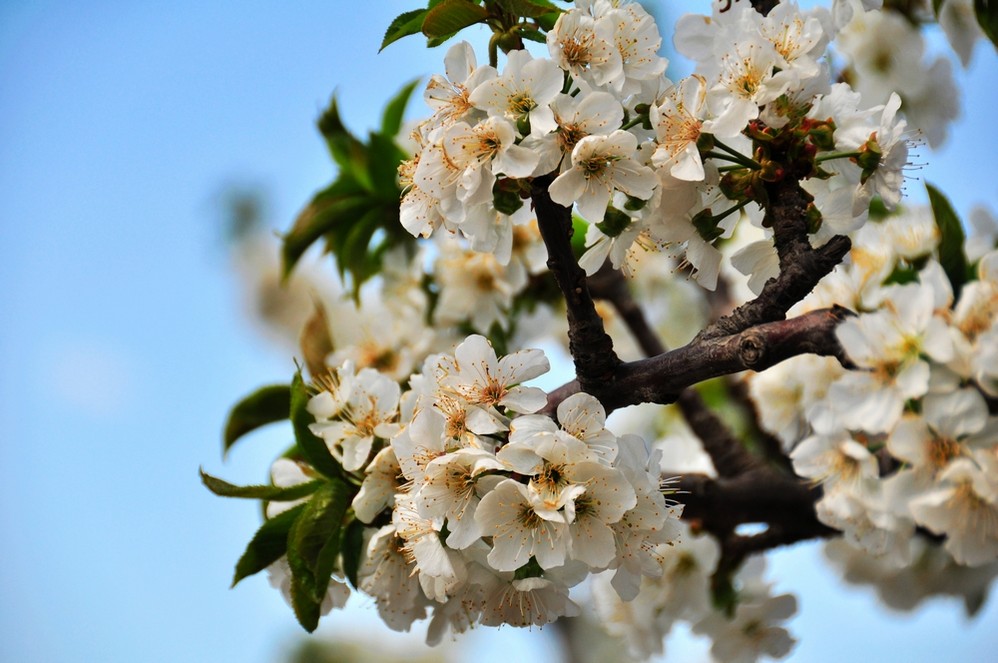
122, 344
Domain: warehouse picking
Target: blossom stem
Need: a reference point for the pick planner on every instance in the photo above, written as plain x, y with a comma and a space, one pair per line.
494, 50
633, 123
741, 158
734, 157
569, 82
835, 155
723, 215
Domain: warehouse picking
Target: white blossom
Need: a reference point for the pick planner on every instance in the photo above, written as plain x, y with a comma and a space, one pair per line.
600, 165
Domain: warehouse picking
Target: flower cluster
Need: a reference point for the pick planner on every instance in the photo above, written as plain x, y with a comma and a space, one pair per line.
904, 441
640, 158
478, 510
446, 488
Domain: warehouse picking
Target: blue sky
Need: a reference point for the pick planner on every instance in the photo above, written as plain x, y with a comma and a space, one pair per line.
123, 344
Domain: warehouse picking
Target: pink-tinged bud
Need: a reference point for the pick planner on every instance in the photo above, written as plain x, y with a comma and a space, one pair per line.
772, 171
823, 134
757, 130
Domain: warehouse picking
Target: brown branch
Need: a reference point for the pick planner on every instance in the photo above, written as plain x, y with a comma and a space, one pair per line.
660, 379
726, 452
746, 490
770, 446
801, 265
591, 348
764, 6
761, 6
719, 505
609, 284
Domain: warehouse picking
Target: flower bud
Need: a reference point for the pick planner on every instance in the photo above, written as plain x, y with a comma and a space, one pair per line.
705, 142
869, 157
706, 225
506, 199
757, 130
813, 218
822, 134
614, 222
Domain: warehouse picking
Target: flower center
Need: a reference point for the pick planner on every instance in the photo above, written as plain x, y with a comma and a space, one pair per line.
941, 451
521, 104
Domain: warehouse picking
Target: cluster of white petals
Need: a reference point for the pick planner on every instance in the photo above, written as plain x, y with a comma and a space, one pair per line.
681, 594
478, 509
485, 512
904, 440
646, 183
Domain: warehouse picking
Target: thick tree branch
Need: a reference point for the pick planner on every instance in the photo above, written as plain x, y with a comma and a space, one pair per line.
660, 379
722, 504
784, 503
609, 284
746, 490
801, 265
592, 349
726, 452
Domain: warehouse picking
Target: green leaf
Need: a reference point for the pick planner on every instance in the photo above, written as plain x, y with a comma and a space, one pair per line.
579, 229
385, 157
533, 35
352, 549
313, 547
261, 492
987, 17
405, 24
336, 205
265, 405
548, 20
313, 448
352, 254
391, 119
936, 6
268, 544
951, 239
314, 541
307, 610
348, 152
527, 8
450, 16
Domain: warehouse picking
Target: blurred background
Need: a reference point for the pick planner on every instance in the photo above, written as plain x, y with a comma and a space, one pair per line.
126, 132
